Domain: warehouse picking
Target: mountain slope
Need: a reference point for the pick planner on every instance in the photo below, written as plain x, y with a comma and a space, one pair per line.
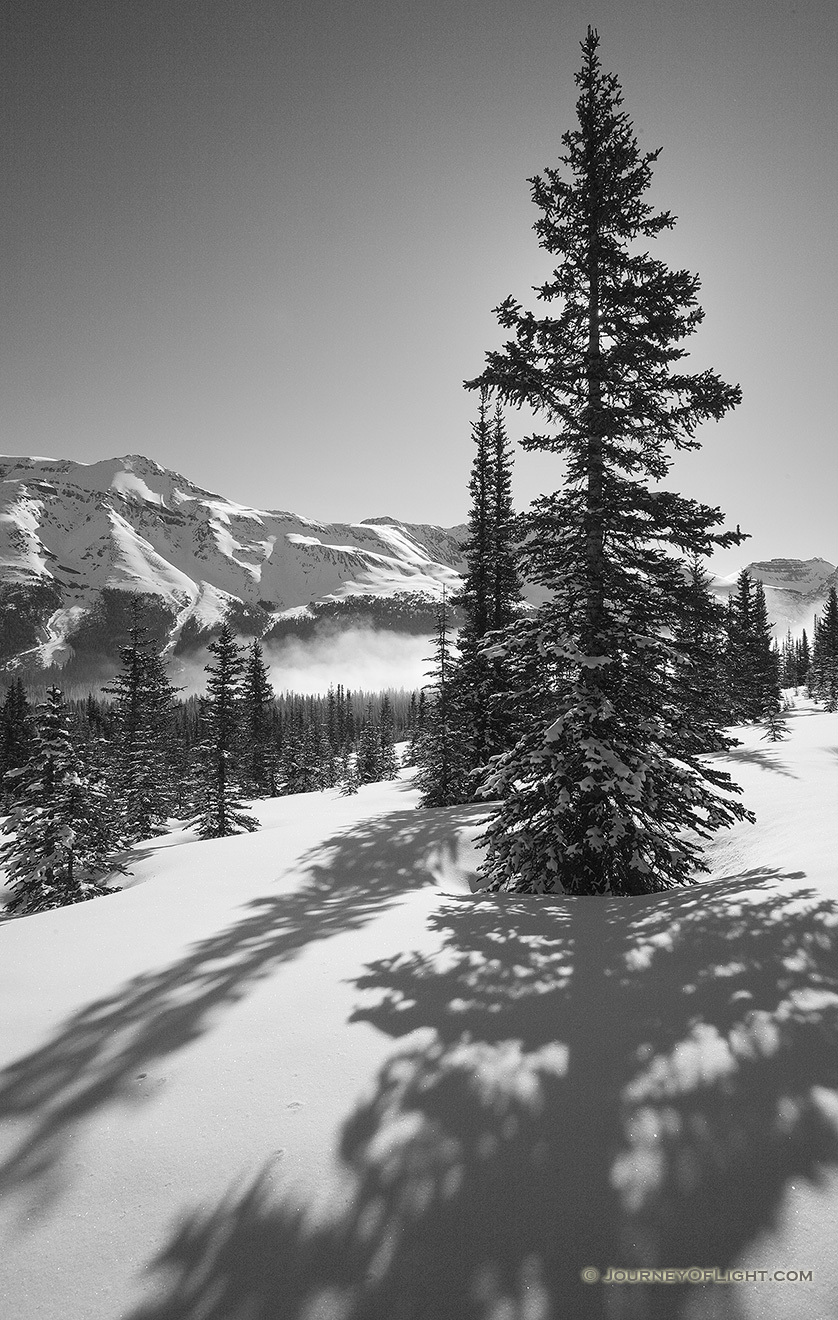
73, 534
78, 540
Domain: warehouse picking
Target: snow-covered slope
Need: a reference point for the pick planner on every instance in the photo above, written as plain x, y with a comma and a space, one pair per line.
306, 1074
74, 530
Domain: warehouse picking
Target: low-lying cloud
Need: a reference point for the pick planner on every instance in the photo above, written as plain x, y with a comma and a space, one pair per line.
366, 659
359, 658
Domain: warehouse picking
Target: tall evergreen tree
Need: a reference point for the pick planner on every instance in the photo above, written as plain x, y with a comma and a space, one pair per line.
788, 662
387, 741
605, 798
369, 749
17, 735
221, 809
698, 666
803, 659
766, 659
505, 576
142, 770
441, 758
753, 680
823, 678
490, 593
61, 844
258, 762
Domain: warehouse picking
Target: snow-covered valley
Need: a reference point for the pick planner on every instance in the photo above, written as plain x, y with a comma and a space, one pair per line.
308, 1074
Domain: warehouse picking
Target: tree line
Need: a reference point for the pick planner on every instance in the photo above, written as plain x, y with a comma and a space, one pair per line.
83, 780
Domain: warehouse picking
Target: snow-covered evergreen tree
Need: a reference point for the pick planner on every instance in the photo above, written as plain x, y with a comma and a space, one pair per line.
766, 656
258, 761
603, 796
389, 768
221, 809
480, 689
327, 772
17, 734
804, 659
788, 662
441, 758
348, 774
63, 833
776, 724
823, 675
753, 679
369, 749
142, 771
698, 666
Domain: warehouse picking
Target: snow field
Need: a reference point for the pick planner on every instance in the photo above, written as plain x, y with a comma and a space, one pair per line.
306, 1074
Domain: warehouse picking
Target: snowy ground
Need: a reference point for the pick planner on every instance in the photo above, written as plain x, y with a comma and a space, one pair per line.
305, 1074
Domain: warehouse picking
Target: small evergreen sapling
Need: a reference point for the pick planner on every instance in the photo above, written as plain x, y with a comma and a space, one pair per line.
775, 722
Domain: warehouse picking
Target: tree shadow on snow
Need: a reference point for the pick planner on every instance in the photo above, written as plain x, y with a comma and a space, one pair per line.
93, 1059
591, 1082
766, 760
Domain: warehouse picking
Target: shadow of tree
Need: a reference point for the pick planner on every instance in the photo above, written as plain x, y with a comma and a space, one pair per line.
94, 1057
765, 760
589, 1082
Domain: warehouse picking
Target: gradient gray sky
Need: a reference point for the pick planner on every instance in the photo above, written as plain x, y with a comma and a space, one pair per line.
260, 241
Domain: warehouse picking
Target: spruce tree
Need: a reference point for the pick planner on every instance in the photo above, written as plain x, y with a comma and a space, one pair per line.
369, 749
603, 797
803, 659
62, 832
776, 725
698, 666
743, 703
347, 774
141, 772
505, 578
788, 662
17, 735
490, 594
221, 809
442, 775
823, 677
765, 657
389, 766
258, 768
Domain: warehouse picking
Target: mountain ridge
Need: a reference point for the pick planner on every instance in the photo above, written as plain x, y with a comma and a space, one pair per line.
73, 535
79, 540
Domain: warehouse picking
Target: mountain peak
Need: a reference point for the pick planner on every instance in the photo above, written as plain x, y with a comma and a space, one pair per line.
75, 536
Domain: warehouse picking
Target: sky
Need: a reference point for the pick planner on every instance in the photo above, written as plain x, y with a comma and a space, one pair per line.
261, 242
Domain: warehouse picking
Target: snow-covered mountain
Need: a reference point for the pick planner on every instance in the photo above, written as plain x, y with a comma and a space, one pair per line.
78, 539
795, 590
